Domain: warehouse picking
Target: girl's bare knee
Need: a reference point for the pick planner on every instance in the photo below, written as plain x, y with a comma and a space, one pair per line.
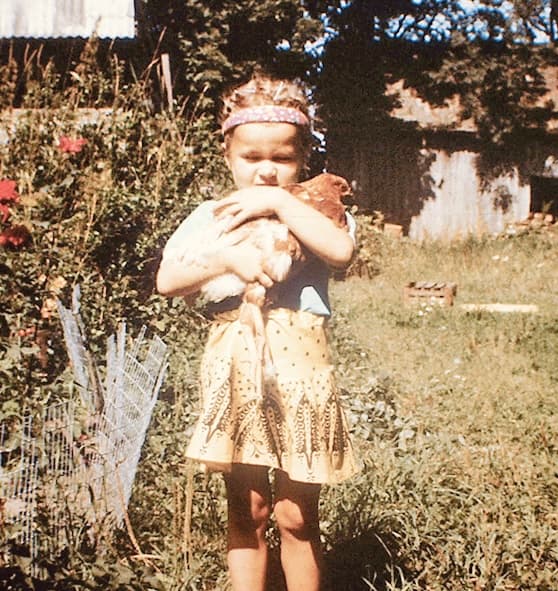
296, 508
249, 501
251, 515
292, 521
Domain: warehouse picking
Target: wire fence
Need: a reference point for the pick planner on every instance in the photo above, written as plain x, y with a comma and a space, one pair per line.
75, 465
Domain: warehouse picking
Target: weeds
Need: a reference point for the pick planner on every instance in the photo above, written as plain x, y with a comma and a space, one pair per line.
470, 497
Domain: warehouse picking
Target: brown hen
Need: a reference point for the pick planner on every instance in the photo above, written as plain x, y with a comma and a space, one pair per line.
280, 248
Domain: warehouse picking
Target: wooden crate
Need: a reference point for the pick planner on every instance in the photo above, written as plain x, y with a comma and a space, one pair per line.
430, 292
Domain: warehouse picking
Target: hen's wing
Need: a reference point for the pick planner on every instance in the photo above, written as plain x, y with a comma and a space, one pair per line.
279, 247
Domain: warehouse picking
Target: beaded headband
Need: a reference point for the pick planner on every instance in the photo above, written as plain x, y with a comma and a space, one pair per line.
265, 114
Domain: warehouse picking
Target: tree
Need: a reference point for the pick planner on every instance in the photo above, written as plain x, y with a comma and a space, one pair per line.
486, 54
213, 43
536, 19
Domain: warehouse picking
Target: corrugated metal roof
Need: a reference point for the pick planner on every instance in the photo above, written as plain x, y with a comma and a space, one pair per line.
66, 18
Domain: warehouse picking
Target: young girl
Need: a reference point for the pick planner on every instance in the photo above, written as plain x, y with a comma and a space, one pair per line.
296, 427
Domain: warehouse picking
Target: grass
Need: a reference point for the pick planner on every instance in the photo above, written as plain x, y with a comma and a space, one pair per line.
460, 485
454, 416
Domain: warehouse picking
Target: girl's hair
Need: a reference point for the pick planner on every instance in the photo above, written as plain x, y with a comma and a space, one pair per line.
264, 90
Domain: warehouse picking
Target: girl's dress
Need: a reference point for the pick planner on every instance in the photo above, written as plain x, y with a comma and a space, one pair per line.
295, 423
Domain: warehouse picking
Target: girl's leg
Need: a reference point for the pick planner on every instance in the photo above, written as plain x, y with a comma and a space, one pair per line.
249, 508
296, 512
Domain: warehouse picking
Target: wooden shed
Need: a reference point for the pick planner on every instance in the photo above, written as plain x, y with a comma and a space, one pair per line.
425, 168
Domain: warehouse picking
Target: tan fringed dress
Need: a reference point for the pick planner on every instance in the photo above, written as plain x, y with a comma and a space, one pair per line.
296, 424
292, 421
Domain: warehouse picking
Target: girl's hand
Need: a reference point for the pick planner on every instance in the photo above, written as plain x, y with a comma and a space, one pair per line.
314, 230
248, 203
243, 259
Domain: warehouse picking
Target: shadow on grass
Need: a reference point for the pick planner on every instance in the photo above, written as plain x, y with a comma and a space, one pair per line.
368, 562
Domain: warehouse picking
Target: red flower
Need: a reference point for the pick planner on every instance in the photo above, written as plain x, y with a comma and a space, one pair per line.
15, 236
4, 213
70, 145
8, 192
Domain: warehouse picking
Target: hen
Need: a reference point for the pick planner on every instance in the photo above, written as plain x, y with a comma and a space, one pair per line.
280, 248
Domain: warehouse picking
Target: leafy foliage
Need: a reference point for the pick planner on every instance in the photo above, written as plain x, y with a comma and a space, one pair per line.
215, 43
483, 55
99, 193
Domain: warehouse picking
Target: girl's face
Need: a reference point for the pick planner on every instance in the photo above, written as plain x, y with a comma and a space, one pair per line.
265, 154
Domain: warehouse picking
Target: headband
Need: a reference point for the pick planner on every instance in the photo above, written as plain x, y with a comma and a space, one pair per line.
265, 114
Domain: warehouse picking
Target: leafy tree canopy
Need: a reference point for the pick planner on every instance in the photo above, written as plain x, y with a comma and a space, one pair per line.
214, 43
492, 54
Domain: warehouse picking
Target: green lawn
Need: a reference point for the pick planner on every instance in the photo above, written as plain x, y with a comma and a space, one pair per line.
454, 416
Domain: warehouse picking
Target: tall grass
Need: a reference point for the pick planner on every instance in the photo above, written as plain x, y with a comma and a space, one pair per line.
459, 486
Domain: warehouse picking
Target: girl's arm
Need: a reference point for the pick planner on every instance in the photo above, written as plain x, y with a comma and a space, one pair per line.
317, 232
174, 278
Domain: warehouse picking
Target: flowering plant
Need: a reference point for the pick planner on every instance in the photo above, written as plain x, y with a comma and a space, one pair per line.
8, 191
8, 194
98, 220
15, 236
71, 145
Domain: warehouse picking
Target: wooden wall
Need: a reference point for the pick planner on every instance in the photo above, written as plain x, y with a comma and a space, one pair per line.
438, 185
